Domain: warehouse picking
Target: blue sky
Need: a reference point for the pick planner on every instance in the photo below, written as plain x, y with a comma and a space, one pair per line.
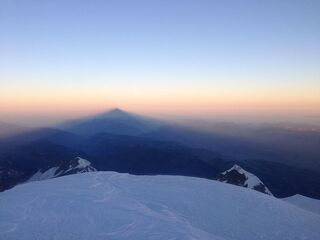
239, 48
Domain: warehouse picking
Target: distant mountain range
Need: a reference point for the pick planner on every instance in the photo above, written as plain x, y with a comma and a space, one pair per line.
124, 142
7, 130
115, 121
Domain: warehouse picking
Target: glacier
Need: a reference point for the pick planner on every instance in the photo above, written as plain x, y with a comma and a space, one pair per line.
110, 205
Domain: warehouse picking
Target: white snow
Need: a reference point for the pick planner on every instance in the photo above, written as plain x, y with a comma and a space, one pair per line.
82, 166
109, 205
82, 163
50, 173
310, 204
252, 180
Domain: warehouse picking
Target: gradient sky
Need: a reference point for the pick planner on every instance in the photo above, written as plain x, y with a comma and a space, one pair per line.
65, 58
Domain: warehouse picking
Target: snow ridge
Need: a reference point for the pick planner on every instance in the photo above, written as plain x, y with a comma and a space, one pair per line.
109, 205
309, 204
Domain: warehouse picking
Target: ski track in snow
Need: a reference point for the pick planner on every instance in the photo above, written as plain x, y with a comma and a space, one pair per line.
109, 205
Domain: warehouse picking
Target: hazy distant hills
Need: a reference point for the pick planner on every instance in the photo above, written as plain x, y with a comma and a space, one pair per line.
7, 129
241, 142
296, 147
125, 142
115, 121
108, 152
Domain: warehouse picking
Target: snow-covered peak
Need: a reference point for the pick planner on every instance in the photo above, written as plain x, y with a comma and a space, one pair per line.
82, 163
240, 177
237, 168
77, 165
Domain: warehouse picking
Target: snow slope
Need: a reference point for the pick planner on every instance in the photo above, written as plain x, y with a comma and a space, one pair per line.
310, 204
81, 165
109, 205
238, 176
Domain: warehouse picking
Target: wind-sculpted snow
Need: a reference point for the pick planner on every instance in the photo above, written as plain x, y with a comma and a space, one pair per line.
108, 205
310, 204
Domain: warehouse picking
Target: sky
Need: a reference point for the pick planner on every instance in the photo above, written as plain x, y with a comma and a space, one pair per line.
232, 59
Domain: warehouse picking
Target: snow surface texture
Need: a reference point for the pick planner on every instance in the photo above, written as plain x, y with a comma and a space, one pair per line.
310, 204
252, 180
82, 166
109, 205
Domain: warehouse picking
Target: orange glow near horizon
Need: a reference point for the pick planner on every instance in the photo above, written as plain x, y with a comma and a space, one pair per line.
202, 102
